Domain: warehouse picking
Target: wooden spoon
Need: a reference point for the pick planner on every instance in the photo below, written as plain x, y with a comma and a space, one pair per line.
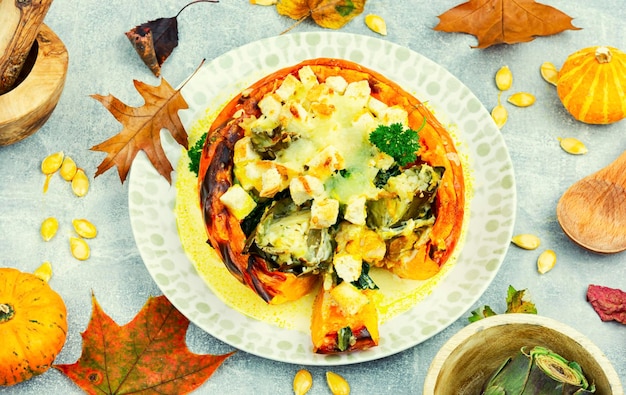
592, 212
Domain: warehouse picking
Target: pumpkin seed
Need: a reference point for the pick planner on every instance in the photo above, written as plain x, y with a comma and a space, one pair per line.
84, 228
52, 163
522, 99
376, 24
80, 183
263, 2
546, 261
504, 78
549, 72
573, 146
337, 384
526, 241
44, 271
302, 382
49, 228
68, 169
79, 248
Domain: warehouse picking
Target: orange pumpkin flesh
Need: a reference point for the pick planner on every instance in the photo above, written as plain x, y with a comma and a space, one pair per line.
592, 85
33, 326
226, 236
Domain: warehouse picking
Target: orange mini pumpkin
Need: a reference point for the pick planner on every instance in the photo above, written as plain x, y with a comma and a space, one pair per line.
33, 326
592, 85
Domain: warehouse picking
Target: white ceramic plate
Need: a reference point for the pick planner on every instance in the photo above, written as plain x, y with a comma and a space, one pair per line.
491, 211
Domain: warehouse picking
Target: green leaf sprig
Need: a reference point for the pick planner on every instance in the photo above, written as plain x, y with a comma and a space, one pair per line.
397, 142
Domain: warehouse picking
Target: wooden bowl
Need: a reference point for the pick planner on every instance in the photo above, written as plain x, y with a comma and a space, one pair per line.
26, 107
467, 360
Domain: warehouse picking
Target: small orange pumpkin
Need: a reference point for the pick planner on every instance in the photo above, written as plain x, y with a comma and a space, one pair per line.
33, 326
592, 85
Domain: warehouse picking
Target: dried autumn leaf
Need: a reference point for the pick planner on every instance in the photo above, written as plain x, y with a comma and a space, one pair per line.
147, 354
331, 14
515, 303
142, 128
155, 40
504, 21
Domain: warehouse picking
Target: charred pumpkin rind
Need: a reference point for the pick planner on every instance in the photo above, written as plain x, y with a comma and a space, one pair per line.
591, 85
33, 326
225, 233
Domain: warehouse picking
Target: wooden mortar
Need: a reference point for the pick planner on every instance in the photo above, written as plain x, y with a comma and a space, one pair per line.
28, 105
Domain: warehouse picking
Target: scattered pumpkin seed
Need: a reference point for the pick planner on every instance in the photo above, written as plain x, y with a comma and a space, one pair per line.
376, 24
549, 72
49, 228
79, 248
302, 382
504, 78
68, 169
80, 183
499, 114
84, 228
546, 261
573, 146
337, 384
52, 163
522, 99
44, 271
49, 166
263, 2
526, 241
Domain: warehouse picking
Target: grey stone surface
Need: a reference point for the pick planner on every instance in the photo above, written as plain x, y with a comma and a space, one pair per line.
102, 61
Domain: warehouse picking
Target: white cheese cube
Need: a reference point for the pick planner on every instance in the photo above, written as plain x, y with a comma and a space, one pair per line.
358, 92
394, 114
244, 152
304, 188
324, 213
365, 123
337, 83
307, 77
288, 88
271, 107
325, 162
271, 182
347, 267
376, 106
238, 202
292, 110
355, 211
349, 298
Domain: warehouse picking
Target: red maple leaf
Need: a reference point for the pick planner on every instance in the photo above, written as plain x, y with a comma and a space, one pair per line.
147, 354
504, 21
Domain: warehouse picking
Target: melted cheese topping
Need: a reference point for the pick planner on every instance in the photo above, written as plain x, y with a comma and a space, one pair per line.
332, 121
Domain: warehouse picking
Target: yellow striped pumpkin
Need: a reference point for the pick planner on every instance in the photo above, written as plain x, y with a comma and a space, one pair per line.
592, 85
33, 326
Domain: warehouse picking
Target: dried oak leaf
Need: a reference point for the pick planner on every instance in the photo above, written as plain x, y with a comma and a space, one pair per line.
504, 21
331, 14
609, 303
149, 354
155, 40
142, 128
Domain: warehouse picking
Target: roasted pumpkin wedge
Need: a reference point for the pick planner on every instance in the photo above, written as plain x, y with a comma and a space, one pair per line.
294, 188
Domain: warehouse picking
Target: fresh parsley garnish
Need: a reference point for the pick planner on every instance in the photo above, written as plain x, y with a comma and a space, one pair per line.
402, 144
195, 153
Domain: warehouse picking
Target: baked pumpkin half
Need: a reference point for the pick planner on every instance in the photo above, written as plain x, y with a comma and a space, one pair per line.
319, 172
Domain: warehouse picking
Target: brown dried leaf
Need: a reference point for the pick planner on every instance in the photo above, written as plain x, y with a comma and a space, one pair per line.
142, 129
331, 14
525, 19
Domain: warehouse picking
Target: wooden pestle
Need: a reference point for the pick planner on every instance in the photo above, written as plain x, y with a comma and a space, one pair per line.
19, 24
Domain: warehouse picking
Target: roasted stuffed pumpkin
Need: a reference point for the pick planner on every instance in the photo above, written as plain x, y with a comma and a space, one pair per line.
294, 193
